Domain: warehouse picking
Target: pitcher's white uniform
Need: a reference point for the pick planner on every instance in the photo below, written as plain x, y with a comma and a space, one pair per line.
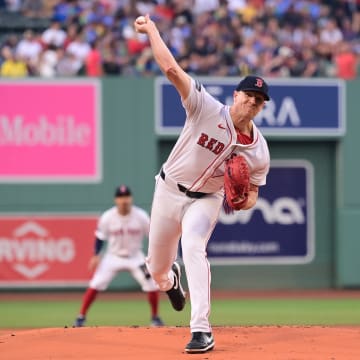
124, 235
197, 162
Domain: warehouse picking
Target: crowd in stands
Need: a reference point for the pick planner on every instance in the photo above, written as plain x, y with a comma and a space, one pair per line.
272, 38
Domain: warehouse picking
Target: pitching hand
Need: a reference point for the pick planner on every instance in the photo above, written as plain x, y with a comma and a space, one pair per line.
143, 23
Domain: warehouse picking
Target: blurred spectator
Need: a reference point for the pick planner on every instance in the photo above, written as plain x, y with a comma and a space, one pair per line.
12, 66
111, 65
201, 6
11, 41
13, 5
80, 49
145, 63
135, 42
346, 62
349, 29
66, 10
48, 61
183, 8
179, 35
93, 63
71, 34
67, 64
54, 35
33, 8
145, 6
29, 47
331, 34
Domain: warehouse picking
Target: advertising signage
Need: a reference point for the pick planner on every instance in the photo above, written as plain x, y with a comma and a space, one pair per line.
46, 250
50, 131
298, 107
279, 229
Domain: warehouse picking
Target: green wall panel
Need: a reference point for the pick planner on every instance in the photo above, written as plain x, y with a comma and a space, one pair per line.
348, 248
348, 179
349, 169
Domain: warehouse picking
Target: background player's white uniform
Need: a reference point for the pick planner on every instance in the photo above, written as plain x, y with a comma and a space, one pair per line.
123, 227
124, 235
197, 162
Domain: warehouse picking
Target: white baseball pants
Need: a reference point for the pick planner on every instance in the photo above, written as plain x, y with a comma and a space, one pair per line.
175, 215
111, 265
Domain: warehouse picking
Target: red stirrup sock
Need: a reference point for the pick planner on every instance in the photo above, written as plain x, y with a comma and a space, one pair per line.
153, 297
88, 299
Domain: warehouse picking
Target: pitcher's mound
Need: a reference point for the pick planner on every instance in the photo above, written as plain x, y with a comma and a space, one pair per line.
124, 343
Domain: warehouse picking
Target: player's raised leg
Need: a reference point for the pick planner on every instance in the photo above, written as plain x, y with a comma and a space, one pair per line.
161, 261
165, 232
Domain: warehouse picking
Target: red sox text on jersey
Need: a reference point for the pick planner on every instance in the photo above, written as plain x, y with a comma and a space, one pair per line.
211, 144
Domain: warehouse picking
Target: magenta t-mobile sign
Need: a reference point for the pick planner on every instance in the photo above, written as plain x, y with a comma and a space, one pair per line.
50, 131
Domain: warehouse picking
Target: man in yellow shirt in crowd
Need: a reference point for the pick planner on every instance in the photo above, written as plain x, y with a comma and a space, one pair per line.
12, 66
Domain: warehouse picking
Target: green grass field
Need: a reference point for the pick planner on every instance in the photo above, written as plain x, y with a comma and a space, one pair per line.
36, 314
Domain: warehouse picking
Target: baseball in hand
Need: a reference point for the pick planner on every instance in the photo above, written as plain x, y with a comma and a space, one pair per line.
140, 20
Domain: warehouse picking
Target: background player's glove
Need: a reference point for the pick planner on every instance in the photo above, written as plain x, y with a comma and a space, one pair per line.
236, 183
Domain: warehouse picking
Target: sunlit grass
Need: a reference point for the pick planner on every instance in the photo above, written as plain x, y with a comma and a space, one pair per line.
104, 312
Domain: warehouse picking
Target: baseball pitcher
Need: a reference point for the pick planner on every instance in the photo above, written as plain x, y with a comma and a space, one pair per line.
219, 151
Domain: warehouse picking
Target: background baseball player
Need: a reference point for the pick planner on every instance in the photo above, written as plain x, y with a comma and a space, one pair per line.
189, 190
124, 227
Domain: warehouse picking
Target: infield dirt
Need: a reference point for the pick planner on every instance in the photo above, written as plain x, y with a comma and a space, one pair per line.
250, 343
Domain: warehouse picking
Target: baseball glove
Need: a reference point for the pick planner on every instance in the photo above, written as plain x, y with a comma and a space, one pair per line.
236, 183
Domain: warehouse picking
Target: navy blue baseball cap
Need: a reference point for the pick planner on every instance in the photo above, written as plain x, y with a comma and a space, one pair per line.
122, 190
254, 83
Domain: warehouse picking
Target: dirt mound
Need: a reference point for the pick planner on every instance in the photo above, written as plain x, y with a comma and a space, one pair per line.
265, 343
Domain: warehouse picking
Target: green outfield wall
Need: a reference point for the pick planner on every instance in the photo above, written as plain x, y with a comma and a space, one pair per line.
347, 249
132, 153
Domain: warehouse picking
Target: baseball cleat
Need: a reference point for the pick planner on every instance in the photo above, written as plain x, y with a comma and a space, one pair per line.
156, 321
176, 294
79, 321
200, 342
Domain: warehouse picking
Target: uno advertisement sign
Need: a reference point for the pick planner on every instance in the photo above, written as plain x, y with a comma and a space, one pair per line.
50, 131
279, 229
46, 251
